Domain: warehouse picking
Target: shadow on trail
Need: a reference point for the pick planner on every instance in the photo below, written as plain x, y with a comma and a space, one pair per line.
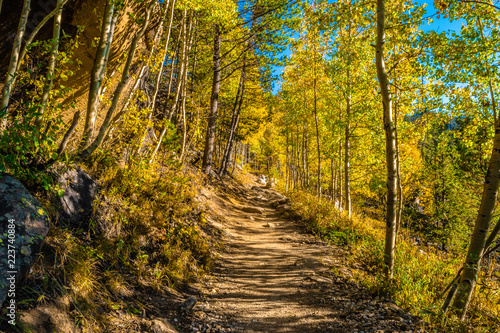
274, 277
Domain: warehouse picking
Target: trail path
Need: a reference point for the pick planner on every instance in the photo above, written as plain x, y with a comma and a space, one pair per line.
274, 277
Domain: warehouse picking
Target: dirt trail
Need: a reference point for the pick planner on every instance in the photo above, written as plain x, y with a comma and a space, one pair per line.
274, 277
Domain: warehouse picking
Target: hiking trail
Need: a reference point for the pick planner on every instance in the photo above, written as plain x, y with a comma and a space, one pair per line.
275, 277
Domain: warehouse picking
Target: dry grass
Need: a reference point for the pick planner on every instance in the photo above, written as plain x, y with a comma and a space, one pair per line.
421, 273
147, 233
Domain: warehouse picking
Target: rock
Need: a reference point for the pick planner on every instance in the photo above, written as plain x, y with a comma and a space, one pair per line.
284, 208
23, 226
262, 180
269, 225
271, 183
279, 202
79, 194
251, 209
160, 325
189, 304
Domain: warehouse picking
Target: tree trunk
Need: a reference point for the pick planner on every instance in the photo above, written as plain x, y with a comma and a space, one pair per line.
67, 135
14, 59
287, 166
398, 170
119, 89
340, 187
347, 156
390, 147
164, 54
234, 121
481, 228
56, 11
98, 71
334, 181
318, 190
52, 62
142, 72
180, 80
214, 103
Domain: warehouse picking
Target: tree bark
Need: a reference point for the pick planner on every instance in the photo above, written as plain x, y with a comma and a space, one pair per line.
234, 121
119, 89
347, 156
56, 11
98, 71
390, 147
214, 103
160, 71
481, 228
186, 37
52, 62
14, 59
318, 190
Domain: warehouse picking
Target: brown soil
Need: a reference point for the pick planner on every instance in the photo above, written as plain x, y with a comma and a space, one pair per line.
275, 277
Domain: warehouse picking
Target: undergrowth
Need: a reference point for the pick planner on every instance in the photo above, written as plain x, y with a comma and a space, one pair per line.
147, 233
421, 274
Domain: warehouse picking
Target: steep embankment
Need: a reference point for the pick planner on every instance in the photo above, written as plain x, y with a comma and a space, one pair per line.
274, 277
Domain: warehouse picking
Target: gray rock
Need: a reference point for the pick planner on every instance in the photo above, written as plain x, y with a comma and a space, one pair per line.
160, 325
189, 304
23, 226
79, 194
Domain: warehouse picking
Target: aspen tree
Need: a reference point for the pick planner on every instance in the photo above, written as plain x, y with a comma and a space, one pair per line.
119, 89
98, 70
52, 61
390, 236
14, 59
214, 104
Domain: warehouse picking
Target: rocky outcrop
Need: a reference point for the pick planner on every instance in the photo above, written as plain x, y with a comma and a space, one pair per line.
79, 194
23, 225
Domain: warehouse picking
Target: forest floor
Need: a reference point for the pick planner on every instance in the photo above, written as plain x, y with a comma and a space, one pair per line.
273, 276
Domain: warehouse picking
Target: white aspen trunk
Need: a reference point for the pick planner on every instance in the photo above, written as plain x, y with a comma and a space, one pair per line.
142, 72
57, 10
318, 190
52, 62
14, 59
98, 72
181, 76
164, 54
478, 242
119, 89
347, 156
390, 147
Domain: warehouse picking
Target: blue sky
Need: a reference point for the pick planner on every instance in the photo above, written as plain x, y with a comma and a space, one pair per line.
438, 25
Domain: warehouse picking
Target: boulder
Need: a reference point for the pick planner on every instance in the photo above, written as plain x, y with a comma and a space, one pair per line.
80, 191
24, 223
